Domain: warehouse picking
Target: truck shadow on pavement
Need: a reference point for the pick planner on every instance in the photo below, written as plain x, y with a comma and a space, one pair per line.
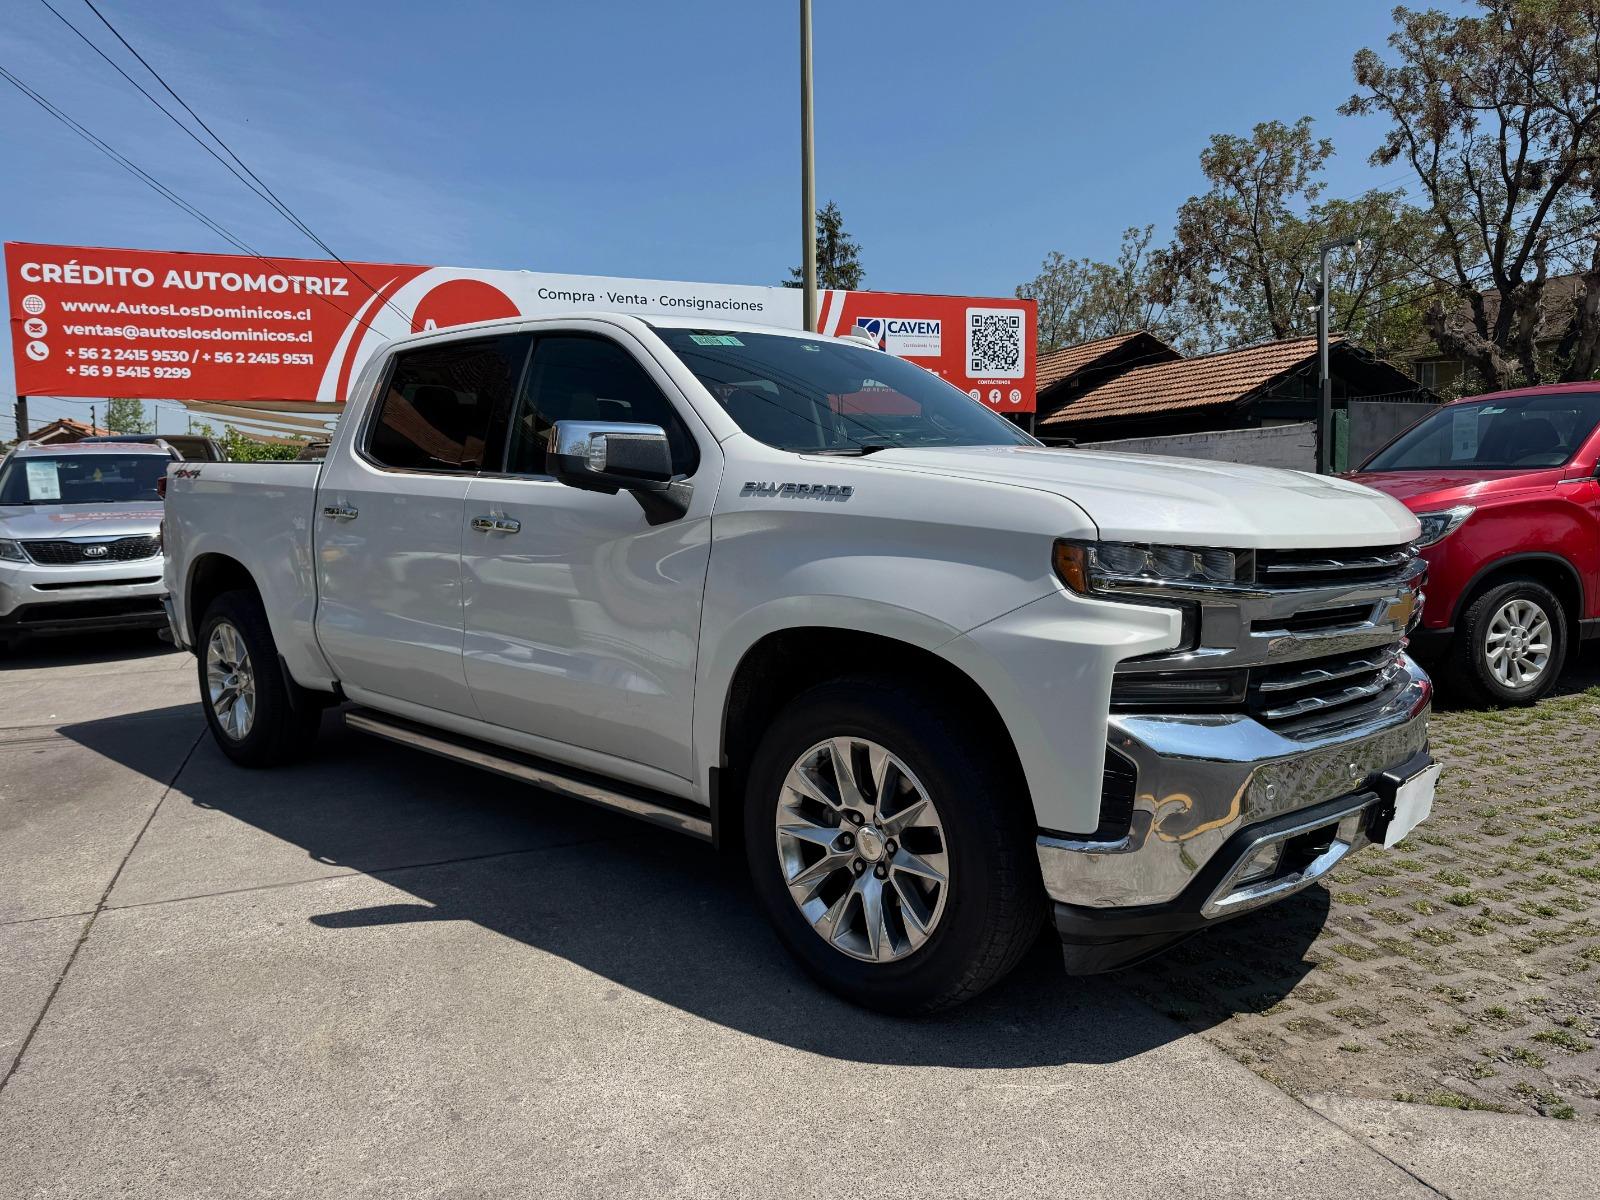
663, 915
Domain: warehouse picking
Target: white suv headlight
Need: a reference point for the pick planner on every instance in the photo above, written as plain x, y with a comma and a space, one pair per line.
1436, 526
11, 551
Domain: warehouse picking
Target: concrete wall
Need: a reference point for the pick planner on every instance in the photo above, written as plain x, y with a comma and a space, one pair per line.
1374, 422
1292, 446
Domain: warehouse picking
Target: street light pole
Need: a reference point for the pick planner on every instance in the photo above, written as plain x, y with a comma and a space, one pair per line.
808, 186
1324, 379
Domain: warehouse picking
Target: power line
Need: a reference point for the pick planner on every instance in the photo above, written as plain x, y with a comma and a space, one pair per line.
160, 188
259, 186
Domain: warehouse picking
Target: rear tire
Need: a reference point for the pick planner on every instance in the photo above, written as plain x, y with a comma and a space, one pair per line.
933, 945
1509, 646
257, 715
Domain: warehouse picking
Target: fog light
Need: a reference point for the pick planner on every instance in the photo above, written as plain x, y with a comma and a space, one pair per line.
1260, 865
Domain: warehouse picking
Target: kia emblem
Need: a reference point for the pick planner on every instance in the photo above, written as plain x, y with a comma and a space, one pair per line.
95, 551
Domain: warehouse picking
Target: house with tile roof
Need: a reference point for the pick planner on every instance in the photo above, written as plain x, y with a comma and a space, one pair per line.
1143, 387
1441, 371
1063, 374
65, 429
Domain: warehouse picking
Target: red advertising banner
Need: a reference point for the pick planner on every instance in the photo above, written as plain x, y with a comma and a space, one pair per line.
292, 332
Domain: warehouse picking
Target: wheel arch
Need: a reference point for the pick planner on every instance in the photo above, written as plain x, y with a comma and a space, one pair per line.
210, 575
784, 663
1552, 570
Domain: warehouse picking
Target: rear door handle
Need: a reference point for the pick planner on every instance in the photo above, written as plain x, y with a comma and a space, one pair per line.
496, 524
341, 512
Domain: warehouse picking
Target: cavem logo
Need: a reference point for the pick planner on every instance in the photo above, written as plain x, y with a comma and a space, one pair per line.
907, 337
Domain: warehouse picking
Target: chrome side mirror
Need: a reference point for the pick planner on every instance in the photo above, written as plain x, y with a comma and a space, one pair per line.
610, 456
613, 456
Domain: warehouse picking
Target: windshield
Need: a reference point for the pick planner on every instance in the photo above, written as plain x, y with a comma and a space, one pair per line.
82, 479
804, 395
1505, 434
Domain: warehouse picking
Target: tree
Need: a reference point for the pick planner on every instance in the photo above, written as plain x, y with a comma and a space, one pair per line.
838, 254
125, 415
1242, 254
1498, 113
1080, 299
1245, 255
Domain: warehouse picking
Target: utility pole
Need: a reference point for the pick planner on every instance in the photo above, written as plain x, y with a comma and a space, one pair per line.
1324, 379
808, 183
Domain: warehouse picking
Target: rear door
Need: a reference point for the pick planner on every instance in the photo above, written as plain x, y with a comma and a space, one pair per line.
582, 618
389, 521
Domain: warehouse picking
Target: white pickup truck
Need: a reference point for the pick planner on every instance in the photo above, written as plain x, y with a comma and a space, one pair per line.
799, 597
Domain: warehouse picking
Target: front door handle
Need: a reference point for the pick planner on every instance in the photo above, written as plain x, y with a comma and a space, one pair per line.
496, 524
341, 512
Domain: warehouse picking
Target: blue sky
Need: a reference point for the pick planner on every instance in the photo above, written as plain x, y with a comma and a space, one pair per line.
962, 141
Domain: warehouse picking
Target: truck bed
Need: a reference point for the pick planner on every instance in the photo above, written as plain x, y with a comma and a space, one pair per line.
261, 515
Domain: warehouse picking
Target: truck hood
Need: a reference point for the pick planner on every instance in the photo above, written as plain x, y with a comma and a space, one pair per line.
1148, 497
32, 521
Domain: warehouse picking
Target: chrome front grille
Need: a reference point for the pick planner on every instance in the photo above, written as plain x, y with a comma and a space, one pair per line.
1309, 568
1312, 638
1318, 687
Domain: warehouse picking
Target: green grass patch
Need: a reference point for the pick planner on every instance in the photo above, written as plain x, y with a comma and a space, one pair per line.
1564, 1038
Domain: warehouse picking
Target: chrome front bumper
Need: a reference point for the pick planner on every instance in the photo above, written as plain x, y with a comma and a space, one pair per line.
1202, 779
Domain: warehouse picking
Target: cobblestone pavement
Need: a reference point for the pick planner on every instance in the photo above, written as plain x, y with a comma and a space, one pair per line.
1461, 969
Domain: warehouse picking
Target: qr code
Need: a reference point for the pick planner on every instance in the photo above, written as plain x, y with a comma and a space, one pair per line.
994, 343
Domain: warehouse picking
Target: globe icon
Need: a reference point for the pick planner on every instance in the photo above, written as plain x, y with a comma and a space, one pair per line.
33, 304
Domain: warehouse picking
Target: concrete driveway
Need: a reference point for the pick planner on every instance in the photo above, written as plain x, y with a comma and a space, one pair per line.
379, 974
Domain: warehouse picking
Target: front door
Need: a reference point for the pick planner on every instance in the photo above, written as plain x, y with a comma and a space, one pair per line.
581, 618
389, 522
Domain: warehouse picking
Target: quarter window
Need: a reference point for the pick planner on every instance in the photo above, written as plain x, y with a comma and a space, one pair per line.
440, 403
586, 378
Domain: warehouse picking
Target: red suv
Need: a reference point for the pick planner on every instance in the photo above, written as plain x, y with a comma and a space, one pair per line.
1505, 487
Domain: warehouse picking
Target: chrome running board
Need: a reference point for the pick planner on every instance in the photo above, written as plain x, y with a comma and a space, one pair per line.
654, 807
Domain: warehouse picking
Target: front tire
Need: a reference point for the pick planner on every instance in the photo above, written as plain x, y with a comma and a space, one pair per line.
891, 848
258, 717
1510, 644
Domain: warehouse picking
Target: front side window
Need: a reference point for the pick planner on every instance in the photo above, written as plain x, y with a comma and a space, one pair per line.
82, 479
802, 394
440, 403
588, 378
1505, 434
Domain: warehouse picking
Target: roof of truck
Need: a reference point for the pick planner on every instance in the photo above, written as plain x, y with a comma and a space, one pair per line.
663, 321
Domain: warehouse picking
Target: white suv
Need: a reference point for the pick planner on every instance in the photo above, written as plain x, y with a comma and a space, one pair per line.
80, 538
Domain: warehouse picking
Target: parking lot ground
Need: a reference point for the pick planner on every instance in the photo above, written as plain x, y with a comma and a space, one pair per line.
1461, 970
377, 974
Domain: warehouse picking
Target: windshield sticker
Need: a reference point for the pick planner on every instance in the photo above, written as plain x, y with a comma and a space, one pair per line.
43, 481
1464, 434
714, 339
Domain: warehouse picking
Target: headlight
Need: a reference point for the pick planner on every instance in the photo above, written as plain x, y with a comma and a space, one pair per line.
11, 551
1082, 565
1436, 526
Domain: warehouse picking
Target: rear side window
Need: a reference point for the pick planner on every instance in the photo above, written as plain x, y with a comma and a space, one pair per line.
588, 378
441, 402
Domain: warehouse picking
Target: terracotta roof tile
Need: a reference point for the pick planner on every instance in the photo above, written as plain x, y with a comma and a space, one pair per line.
1185, 383
1058, 364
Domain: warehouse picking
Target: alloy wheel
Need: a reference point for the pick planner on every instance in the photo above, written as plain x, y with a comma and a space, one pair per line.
1518, 644
230, 682
862, 849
